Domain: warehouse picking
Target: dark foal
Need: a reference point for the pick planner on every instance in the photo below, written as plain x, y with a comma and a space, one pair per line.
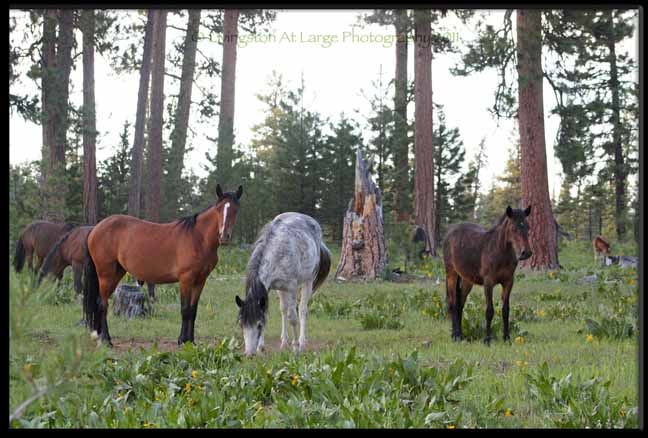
473, 255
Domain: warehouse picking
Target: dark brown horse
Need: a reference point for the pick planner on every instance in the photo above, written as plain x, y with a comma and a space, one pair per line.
67, 251
185, 250
473, 255
35, 242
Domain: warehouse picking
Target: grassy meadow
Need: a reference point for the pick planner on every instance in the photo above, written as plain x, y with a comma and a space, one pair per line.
380, 354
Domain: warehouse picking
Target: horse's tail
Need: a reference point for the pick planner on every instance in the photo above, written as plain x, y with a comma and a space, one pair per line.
51, 256
91, 308
324, 266
19, 255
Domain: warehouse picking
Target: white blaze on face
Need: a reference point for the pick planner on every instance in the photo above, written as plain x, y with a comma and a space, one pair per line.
224, 218
251, 338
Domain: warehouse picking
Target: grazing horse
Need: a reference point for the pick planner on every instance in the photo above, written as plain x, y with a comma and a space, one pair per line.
473, 255
68, 250
36, 240
288, 254
601, 249
185, 250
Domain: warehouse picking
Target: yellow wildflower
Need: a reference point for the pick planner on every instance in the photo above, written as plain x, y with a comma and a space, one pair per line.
295, 379
632, 281
519, 340
188, 388
451, 426
148, 424
194, 374
589, 338
507, 413
622, 413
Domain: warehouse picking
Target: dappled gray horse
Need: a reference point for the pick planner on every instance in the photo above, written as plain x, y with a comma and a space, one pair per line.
288, 254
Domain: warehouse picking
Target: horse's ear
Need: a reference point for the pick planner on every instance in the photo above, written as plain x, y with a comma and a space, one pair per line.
219, 191
239, 302
239, 192
527, 211
263, 303
509, 211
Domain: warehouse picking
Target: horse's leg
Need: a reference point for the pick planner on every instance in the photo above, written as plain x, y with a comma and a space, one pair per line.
306, 292
488, 291
451, 294
151, 291
284, 302
107, 285
185, 311
292, 313
506, 293
465, 289
195, 297
77, 270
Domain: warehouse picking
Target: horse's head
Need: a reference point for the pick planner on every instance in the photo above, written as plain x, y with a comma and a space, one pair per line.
228, 206
518, 231
252, 316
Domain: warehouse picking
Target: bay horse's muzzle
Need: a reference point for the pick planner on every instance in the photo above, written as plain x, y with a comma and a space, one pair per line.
525, 254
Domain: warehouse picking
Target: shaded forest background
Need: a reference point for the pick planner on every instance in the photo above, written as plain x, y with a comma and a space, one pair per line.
300, 160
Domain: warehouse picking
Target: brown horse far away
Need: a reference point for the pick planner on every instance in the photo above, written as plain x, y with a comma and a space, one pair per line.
35, 241
68, 250
473, 255
185, 250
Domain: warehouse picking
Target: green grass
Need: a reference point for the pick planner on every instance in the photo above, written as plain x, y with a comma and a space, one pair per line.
357, 372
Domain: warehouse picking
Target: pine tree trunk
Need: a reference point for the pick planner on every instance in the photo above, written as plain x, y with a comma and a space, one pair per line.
157, 112
89, 119
179, 134
364, 251
134, 201
535, 185
226, 120
619, 167
47, 78
401, 163
424, 151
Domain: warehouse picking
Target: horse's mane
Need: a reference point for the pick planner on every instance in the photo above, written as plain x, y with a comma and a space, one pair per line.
255, 290
189, 222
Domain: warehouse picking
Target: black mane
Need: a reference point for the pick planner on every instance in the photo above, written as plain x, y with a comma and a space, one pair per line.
189, 222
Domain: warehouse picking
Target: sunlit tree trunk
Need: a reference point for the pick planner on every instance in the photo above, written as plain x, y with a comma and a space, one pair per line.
535, 184
226, 120
424, 151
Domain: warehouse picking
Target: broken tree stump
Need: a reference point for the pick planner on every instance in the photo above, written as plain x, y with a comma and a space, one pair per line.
129, 300
364, 251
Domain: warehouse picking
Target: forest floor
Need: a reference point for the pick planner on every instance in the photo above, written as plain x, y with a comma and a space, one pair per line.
379, 354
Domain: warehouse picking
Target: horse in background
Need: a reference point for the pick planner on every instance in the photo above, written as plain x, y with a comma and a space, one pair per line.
601, 249
185, 250
35, 241
473, 255
288, 255
67, 251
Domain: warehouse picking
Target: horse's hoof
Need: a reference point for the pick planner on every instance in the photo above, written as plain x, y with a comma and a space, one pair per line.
487, 340
457, 338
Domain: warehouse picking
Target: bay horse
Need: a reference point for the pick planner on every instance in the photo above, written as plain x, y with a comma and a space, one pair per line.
473, 255
185, 250
35, 241
288, 255
67, 251
601, 249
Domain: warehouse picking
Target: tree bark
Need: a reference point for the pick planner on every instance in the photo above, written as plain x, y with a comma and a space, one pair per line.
157, 112
50, 22
619, 167
226, 120
179, 134
140, 120
401, 147
535, 185
364, 251
89, 119
423, 148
